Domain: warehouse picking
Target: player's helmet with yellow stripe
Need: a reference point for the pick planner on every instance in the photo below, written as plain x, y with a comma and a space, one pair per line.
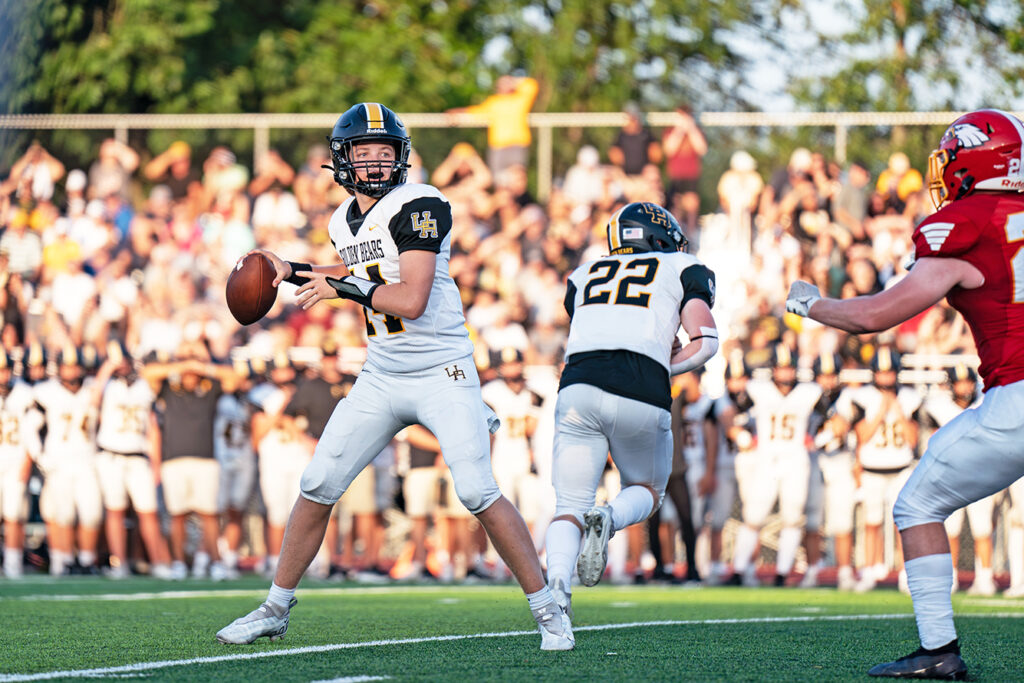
364, 123
642, 227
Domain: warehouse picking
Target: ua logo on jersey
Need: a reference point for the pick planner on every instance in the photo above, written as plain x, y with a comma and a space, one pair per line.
455, 373
425, 225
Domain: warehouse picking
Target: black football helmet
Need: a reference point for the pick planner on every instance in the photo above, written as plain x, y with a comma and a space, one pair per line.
643, 226
886, 359
960, 372
369, 122
827, 364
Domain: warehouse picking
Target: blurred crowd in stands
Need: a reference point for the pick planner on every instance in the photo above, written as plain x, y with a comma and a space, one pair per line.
136, 249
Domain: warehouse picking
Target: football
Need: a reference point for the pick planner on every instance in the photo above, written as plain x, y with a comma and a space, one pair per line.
250, 291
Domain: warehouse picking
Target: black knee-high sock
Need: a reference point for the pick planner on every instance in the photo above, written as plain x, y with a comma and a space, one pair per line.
680, 495
654, 538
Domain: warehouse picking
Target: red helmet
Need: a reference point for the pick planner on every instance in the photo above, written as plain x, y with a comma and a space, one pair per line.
982, 150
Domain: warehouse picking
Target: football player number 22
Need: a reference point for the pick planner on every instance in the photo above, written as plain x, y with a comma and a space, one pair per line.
605, 272
1015, 233
392, 324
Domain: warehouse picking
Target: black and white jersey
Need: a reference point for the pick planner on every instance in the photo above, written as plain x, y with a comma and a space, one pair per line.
625, 313
124, 416
410, 217
888, 448
19, 425
70, 421
782, 419
515, 410
232, 434
940, 407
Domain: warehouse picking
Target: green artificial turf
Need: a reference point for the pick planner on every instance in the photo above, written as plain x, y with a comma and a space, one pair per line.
77, 624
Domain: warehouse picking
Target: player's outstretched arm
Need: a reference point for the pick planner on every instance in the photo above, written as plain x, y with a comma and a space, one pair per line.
927, 283
699, 326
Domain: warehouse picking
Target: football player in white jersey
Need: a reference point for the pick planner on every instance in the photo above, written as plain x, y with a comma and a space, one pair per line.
71, 488
517, 407
233, 449
710, 466
886, 428
625, 310
938, 410
19, 443
394, 240
125, 460
778, 469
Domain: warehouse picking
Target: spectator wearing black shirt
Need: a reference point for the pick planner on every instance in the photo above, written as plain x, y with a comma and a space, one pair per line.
635, 146
187, 394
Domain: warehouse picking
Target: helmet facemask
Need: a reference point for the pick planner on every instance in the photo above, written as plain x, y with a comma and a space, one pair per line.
381, 176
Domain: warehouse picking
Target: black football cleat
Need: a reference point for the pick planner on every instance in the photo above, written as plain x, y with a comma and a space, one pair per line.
942, 663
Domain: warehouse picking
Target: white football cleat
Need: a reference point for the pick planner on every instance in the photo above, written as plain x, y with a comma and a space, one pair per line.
1014, 591
982, 587
555, 627
562, 596
846, 581
262, 621
594, 556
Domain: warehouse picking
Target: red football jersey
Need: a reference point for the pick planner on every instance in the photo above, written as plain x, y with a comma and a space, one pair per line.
987, 231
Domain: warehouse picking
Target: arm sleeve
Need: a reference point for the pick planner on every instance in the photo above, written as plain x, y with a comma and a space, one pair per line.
570, 298
421, 224
698, 283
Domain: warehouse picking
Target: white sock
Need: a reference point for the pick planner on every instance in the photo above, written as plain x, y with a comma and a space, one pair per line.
983, 574
562, 545
931, 580
743, 552
634, 504
789, 541
229, 558
541, 598
201, 561
1015, 555
12, 558
58, 560
280, 597
86, 558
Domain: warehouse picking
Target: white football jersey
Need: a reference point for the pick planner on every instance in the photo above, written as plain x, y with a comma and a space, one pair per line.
124, 416
694, 415
943, 408
410, 217
70, 421
514, 410
232, 429
632, 302
888, 447
19, 424
782, 419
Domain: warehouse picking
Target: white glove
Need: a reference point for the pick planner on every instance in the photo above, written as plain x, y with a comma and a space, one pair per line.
802, 296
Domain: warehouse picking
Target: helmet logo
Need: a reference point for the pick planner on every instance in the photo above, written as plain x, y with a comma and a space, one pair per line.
969, 135
655, 212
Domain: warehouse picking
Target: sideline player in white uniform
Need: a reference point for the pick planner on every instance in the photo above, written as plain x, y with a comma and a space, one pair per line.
125, 461
886, 431
625, 310
234, 452
19, 444
778, 469
517, 407
394, 241
938, 410
71, 488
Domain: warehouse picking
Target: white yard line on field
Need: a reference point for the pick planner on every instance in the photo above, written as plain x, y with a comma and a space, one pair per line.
313, 649
238, 593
